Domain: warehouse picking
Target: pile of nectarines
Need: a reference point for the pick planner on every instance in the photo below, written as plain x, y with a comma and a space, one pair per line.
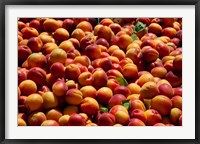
99, 72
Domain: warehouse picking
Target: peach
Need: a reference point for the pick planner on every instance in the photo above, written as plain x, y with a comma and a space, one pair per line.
159, 72
38, 75
93, 51
61, 34
20, 25
173, 78
50, 123
159, 124
89, 106
35, 44
103, 42
76, 120
163, 49
106, 119
117, 124
177, 63
23, 42
112, 84
46, 38
163, 81
175, 114
78, 34
83, 59
36, 60
166, 89
34, 102
162, 104
63, 120
133, 97
73, 97
72, 72
23, 53
116, 66
36, 24
24, 116
100, 78
116, 100
133, 54
113, 73
168, 21
59, 88
136, 104
121, 114
66, 46
155, 28
169, 31
177, 102
58, 55
48, 48
57, 69
21, 122
130, 71
22, 75
105, 32
21, 104
144, 78
125, 61
51, 25
71, 109
153, 117
75, 43
134, 88
69, 25
112, 48
106, 21
53, 114
71, 84
27, 87
85, 26
114, 59
104, 94
149, 90
124, 41
166, 120
29, 32
122, 90
136, 122
149, 54
49, 100
140, 114
85, 78
105, 64
180, 120
119, 54
88, 91
36, 118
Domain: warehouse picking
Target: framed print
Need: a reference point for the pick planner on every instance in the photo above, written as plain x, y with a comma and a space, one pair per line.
99, 72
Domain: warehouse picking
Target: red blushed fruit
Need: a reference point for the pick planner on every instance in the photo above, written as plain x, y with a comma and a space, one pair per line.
122, 90
114, 40
100, 78
169, 31
36, 24
178, 91
50, 123
69, 25
136, 122
105, 64
61, 34
117, 67
93, 51
177, 63
85, 78
146, 21
173, 79
36, 60
36, 118
112, 84
105, 32
106, 119
22, 75
140, 114
72, 72
75, 43
76, 120
21, 25
103, 42
85, 41
137, 104
29, 32
23, 53
153, 117
168, 21
180, 120
116, 100
163, 50
149, 54
115, 27
103, 96
155, 28
166, 89
50, 25
59, 88
37, 75
35, 44
57, 69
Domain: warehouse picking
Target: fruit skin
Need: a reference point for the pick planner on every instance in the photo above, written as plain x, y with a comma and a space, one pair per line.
63, 120
49, 100
140, 114
88, 91
166, 89
105, 32
173, 78
23, 53
34, 102
59, 88
27, 87
50, 123
36, 118
155, 28
69, 25
38, 75
54, 114
124, 41
144, 78
177, 102
106, 119
116, 100
137, 104
70, 109
159, 72
100, 77
21, 122
89, 106
149, 54
29, 32
76, 120
66, 45
169, 31
130, 71
35, 44
175, 115
149, 90
85, 26
136, 122
85, 78
153, 117
78, 34
177, 63
72, 72
162, 104
61, 34
57, 70
51, 25
57, 55
103, 95
73, 96
120, 113
36, 60
93, 51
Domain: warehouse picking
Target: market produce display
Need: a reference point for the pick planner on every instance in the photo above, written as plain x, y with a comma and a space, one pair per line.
99, 72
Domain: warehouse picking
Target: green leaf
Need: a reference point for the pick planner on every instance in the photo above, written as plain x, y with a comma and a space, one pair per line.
139, 26
134, 37
170, 44
104, 109
126, 104
122, 81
